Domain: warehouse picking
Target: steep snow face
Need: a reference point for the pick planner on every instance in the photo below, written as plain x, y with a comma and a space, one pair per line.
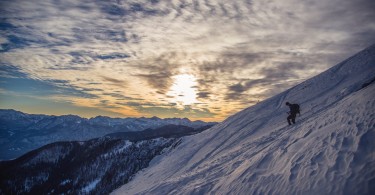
331, 149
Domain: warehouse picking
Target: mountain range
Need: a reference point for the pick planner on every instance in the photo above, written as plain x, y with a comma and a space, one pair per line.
21, 132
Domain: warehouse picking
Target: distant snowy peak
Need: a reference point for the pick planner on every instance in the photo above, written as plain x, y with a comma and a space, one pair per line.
10, 114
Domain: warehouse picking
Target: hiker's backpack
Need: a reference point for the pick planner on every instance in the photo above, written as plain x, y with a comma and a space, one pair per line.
296, 109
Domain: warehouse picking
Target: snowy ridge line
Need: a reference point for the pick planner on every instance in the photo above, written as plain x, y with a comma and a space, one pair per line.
329, 151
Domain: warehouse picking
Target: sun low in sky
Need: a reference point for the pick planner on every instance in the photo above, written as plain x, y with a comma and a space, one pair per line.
169, 58
183, 91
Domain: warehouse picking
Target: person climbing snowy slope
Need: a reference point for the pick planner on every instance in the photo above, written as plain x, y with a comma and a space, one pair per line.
294, 110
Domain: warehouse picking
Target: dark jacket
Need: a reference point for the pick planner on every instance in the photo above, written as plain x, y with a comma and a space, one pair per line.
294, 109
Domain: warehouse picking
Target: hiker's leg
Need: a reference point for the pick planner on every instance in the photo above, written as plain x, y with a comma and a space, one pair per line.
289, 117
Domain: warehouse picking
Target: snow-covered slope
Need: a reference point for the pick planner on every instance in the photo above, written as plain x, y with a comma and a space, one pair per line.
331, 149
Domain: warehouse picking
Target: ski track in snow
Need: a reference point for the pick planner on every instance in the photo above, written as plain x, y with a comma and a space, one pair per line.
330, 150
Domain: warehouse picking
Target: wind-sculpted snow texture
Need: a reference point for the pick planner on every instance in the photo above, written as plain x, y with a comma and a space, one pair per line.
331, 149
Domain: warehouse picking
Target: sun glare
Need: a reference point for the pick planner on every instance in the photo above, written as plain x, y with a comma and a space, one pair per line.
183, 89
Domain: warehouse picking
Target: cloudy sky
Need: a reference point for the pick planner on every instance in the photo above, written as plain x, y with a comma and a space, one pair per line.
201, 59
